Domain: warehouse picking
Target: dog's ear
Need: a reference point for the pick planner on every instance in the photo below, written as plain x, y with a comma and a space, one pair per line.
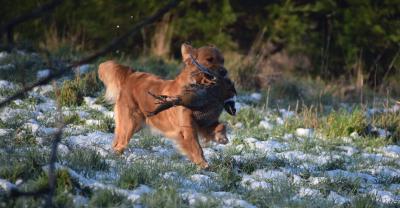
186, 50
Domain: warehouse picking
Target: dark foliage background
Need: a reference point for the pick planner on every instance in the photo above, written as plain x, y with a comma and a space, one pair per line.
353, 40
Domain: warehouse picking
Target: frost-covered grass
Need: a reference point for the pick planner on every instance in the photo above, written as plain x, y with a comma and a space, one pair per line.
277, 157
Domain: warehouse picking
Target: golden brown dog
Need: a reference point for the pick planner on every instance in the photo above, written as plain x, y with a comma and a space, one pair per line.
129, 90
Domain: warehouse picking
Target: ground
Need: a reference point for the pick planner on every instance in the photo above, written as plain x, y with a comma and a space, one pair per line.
269, 161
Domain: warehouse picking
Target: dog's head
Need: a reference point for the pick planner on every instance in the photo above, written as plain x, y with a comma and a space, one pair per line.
207, 56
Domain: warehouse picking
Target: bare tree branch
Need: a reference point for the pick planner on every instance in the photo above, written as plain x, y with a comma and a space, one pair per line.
112, 45
53, 158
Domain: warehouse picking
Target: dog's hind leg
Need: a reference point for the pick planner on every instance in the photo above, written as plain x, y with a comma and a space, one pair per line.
127, 122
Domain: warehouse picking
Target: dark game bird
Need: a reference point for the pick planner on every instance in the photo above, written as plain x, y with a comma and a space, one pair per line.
205, 100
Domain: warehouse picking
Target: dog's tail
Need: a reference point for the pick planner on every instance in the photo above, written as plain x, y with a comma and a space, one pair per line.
113, 76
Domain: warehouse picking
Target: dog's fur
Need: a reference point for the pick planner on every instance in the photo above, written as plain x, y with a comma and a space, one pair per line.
129, 90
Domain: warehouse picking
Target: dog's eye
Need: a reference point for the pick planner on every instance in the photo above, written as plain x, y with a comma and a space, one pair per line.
210, 59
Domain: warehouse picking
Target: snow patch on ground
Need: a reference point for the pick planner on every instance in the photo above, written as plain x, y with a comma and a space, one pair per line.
350, 176
231, 200
42, 73
99, 141
385, 197
308, 192
266, 125
303, 132
7, 186
4, 84
265, 146
338, 199
391, 151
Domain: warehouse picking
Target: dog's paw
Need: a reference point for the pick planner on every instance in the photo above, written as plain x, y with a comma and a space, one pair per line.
118, 151
221, 139
203, 165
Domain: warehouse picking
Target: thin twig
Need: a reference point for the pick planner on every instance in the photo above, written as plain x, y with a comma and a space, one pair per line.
113, 44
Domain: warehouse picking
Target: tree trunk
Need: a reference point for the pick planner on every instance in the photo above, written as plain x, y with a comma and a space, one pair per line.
161, 41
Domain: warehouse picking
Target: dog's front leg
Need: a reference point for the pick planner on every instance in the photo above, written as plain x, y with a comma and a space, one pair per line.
215, 132
188, 139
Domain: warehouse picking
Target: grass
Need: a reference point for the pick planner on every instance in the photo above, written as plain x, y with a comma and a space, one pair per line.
167, 197
71, 92
146, 140
227, 170
65, 186
249, 117
257, 132
365, 201
282, 194
343, 185
73, 118
107, 198
86, 161
24, 137
150, 171
389, 121
343, 123
22, 67
106, 124
18, 164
